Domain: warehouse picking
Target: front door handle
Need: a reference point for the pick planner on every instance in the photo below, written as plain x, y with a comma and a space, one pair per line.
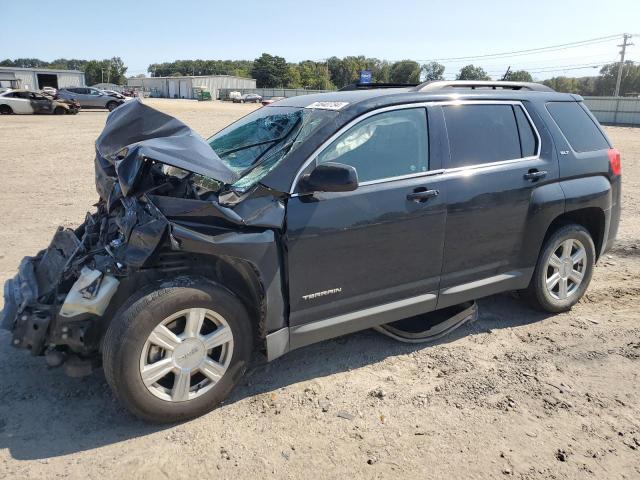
420, 196
534, 175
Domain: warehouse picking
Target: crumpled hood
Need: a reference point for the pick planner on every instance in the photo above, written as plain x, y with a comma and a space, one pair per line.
135, 132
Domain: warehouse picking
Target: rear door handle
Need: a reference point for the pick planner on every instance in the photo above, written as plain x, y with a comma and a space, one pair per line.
422, 195
534, 175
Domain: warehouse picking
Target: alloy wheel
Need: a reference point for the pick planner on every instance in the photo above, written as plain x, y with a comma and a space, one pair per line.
186, 354
565, 269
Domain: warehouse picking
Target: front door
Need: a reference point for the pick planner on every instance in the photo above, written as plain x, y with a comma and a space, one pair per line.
380, 246
41, 104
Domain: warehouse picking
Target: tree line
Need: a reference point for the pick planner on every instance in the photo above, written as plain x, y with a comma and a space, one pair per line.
272, 71
108, 70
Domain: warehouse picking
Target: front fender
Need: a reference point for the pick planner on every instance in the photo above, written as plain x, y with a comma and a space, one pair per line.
260, 249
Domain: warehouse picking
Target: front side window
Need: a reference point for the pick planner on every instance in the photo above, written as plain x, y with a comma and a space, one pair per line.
255, 144
485, 133
386, 145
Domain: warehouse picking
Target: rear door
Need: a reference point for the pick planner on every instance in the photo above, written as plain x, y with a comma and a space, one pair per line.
494, 168
378, 247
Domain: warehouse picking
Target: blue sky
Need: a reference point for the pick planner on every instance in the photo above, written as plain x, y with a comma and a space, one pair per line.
144, 32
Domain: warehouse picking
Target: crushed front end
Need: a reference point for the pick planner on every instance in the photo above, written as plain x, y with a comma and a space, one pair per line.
159, 213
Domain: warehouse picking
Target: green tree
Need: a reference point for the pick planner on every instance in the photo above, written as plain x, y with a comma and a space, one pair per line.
471, 72
562, 84
405, 71
629, 84
270, 71
294, 79
432, 71
519, 76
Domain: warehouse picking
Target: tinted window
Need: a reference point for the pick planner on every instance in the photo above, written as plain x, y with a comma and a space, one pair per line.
582, 134
385, 145
481, 134
528, 139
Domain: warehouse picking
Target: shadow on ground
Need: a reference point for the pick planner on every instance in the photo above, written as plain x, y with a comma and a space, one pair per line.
45, 414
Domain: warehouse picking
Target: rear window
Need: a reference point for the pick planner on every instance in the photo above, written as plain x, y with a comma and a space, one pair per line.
483, 134
580, 131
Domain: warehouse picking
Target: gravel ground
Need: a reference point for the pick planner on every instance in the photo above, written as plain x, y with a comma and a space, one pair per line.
517, 394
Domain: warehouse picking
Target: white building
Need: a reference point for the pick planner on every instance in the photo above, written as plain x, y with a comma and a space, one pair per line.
182, 87
38, 78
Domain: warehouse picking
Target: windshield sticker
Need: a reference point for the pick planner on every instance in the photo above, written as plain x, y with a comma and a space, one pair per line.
328, 105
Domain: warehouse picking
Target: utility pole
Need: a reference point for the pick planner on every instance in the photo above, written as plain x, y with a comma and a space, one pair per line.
624, 46
506, 74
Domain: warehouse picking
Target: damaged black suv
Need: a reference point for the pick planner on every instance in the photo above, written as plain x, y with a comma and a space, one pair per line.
310, 218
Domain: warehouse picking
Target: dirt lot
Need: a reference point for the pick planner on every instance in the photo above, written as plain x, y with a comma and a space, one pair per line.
516, 395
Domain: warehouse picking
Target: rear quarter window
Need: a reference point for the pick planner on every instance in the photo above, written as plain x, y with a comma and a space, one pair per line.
577, 126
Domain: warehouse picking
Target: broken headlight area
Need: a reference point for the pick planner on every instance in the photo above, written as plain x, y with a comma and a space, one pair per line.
57, 293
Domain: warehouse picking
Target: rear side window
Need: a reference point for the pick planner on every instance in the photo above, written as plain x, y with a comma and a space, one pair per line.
485, 133
580, 131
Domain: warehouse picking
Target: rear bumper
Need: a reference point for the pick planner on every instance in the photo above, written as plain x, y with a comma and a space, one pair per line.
614, 215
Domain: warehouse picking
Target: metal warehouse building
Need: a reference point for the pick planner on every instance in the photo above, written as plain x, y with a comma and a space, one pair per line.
38, 78
182, 87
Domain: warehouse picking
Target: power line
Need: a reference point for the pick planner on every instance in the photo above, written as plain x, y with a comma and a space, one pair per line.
553, 68
530, 51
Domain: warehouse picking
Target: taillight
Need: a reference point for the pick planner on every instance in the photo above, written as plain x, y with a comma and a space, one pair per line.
614, 161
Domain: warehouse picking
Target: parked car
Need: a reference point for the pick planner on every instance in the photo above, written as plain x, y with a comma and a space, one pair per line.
27, 102
248, 98
312, 218
89, 97
50, 91
271, 100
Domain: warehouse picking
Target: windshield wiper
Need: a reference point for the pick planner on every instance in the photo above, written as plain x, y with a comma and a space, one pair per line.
244, 147
263, 157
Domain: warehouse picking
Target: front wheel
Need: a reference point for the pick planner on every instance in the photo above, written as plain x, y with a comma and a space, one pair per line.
5, 110
176, 352
111, 106
59, 111
563, 271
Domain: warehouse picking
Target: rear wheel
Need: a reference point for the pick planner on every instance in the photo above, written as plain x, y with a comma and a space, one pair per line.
177, 352
5, 110
563, 271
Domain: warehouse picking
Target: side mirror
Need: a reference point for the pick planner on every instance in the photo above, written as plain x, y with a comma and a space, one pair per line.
331, 177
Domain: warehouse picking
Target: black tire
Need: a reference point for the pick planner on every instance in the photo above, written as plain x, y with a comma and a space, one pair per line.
537, 293
5, 110
132, 325
111, 106
59, 111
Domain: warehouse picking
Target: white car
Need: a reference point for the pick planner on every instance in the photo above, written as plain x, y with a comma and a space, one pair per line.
50, 90
27, 102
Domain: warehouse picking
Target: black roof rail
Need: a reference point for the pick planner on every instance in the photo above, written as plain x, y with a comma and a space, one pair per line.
367, 86
433, 86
